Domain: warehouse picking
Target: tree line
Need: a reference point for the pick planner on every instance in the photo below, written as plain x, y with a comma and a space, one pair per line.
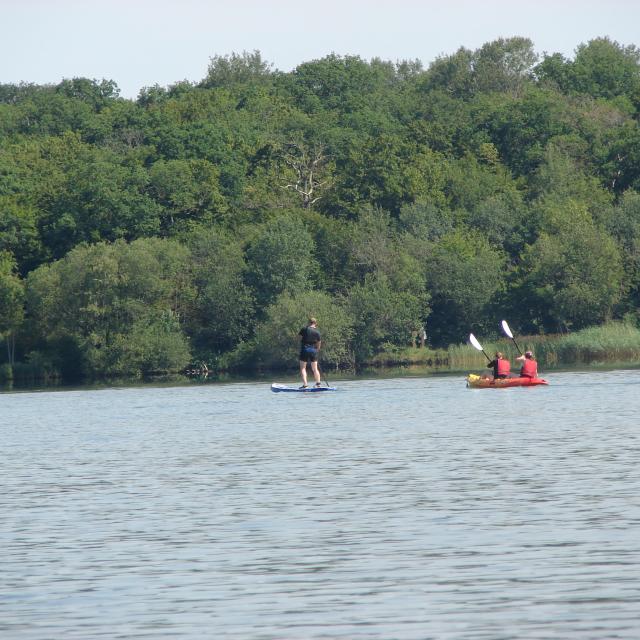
202, 222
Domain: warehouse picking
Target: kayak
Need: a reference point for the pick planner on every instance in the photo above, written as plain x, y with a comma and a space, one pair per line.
478, 382
279, 388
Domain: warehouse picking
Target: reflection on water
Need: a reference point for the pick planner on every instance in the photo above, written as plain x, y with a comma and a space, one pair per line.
393, 508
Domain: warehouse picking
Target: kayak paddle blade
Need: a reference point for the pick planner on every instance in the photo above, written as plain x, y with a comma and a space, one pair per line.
506, 329
474, 341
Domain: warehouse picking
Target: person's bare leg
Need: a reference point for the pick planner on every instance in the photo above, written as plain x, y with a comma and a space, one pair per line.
303, 372
316, 372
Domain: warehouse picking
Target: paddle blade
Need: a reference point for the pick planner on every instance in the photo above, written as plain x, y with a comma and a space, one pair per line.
506, 329
474, 341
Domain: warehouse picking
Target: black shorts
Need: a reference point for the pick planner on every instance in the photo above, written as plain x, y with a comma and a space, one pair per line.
308, 355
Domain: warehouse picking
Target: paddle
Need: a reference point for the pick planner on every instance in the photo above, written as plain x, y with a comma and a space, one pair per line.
325, 376
474, 341
507, 330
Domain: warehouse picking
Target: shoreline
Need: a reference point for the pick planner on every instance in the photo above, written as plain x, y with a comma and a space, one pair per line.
368, 373
611, 346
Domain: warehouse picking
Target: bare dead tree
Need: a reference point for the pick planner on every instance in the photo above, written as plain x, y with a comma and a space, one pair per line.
618, 173
309, 167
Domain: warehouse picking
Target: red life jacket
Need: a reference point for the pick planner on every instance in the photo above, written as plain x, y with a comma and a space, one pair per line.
529, 369
503, 368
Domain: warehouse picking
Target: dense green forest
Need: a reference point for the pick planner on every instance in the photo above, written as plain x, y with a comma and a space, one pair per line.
203, 222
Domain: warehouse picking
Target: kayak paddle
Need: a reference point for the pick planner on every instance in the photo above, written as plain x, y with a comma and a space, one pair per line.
474, 341
321, 376
507, 330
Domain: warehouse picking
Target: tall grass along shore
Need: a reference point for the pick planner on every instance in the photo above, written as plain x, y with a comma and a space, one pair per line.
612, 343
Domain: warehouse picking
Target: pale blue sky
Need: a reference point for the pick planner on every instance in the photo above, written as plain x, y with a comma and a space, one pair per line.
139, 43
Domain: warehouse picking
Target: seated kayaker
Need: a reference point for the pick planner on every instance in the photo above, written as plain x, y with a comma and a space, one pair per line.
529, 365
500, 366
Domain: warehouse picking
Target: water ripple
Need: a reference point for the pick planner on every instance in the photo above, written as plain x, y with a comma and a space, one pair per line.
400, 508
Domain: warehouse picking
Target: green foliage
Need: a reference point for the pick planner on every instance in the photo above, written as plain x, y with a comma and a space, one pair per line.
601, 68
188, 191
412, 357
623, 222
191, 221
452, 74
520, 128
96, 94
223, 307
279, 259
425, 221
470, 182
237, 69
612, 342
152, 345
573, 278
388, 172
502, 220
85, 194
336, 82
373, 248
277, 343
385, 316
11, 294
116, 307
6, 372
464, 275
558, 180
19, 232
334, 240
11, 302
622, 162
504, 65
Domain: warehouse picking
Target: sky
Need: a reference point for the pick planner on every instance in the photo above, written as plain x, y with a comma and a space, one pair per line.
140, 43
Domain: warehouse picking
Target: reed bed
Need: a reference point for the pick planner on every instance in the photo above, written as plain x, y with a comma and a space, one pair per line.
615, 342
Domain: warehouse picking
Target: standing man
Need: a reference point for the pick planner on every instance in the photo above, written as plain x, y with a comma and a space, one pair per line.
309, 349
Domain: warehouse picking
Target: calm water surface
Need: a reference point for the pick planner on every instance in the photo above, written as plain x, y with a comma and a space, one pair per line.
406, 508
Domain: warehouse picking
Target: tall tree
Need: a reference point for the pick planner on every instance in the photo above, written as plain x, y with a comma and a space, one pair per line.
572, 279
277, 342
504, 65
113, 309
236, 69
279, 259
223, 311
464, 276
309, 169
11, 303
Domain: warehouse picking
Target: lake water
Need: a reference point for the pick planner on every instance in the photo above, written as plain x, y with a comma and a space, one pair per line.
407, 508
